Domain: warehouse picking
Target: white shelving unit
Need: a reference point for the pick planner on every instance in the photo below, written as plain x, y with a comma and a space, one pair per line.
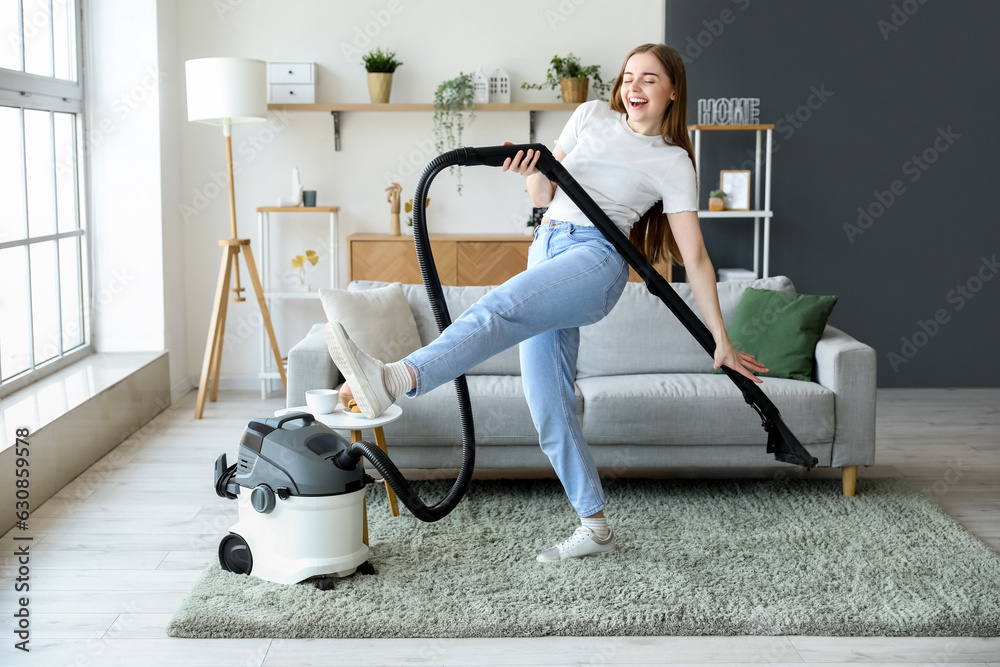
267, 371
757, 213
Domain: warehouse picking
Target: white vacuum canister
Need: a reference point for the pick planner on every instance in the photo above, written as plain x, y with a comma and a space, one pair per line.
304, 536
300, 514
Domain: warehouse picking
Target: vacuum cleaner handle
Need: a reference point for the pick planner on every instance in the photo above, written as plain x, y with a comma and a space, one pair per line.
494, 156
277, 422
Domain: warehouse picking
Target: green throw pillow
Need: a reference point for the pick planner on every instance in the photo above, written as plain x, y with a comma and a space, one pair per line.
780, 330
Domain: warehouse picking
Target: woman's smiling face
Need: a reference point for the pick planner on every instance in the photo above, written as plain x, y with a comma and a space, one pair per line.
646, 92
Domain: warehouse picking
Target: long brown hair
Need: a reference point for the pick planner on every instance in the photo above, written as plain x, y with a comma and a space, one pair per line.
651, 234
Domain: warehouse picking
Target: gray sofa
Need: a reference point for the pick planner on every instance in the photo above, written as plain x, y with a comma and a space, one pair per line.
646, 394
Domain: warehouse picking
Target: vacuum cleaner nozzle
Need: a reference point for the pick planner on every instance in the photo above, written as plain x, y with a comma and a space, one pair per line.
347, 459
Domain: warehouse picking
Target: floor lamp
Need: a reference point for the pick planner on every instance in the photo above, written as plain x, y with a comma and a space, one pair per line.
223, 91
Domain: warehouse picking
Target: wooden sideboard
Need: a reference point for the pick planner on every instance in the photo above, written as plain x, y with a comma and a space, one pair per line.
460, 259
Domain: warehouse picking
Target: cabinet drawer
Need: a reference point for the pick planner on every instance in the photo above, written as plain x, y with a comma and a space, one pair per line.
293, 93
485, 263
290, 72
396, 261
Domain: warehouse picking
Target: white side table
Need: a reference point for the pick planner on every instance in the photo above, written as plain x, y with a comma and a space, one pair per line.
341, 420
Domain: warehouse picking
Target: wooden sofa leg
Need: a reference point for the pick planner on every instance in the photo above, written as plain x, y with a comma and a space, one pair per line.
850, 474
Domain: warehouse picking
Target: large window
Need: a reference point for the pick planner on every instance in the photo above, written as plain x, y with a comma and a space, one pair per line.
44, 320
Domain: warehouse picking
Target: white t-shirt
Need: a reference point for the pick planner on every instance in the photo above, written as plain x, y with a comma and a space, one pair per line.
625, 172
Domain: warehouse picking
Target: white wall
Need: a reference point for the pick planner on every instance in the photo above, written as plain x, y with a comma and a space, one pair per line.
172, 120
435, 39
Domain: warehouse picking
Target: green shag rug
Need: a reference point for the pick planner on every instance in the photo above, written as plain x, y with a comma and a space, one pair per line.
693, 557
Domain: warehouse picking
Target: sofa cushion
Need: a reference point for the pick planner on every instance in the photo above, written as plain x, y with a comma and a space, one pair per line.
458, 299
378, 320
781, 330
642, 335
698, 409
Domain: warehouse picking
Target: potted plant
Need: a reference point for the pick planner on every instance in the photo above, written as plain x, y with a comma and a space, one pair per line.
451, 99
716, 201
573, 79
380, 65
299, 264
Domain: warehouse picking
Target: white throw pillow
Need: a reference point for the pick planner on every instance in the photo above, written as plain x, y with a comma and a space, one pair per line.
379, 320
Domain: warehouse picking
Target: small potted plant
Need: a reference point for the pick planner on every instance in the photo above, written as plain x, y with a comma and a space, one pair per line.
451, 99
572, 78
716, 201
299, 264
380, 65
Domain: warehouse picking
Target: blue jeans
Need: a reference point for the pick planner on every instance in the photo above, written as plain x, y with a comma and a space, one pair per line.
574, 278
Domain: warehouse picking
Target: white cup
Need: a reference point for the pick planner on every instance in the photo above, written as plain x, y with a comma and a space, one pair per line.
322, 401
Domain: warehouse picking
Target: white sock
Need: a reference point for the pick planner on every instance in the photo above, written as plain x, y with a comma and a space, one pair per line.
396, 379
598, 525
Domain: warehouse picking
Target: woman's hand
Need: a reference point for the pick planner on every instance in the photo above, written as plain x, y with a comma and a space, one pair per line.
741, 362
521, 163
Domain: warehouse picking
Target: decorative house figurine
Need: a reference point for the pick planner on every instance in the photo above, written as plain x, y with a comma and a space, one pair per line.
481, 85
499, 86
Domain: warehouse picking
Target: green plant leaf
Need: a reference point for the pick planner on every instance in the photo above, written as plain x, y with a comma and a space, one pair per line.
378, 60
451, 100
569, 67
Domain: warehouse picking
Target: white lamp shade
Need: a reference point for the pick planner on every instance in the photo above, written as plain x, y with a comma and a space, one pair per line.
221, 89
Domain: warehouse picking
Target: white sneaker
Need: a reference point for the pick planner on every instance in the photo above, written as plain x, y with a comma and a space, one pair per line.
580, 543
362, 371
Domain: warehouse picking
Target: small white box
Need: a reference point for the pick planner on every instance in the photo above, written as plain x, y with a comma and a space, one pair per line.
291, 83
736, 274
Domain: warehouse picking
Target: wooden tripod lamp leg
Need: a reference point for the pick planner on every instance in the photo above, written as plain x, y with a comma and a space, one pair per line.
233, 250
252, 270
217, 324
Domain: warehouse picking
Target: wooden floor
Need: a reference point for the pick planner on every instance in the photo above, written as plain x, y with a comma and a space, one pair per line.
116, 551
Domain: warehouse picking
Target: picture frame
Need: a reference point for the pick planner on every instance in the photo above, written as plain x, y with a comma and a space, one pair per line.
736, 184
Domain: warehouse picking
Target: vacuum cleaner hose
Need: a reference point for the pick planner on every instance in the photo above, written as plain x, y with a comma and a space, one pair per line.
435, 294
781, 441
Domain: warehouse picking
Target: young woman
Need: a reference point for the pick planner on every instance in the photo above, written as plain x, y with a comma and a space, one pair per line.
632, 155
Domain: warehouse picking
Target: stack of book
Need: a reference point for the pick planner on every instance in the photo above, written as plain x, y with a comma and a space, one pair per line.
735, 274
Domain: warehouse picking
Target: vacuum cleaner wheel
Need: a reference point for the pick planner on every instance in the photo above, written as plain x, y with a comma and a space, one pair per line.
324, 584
234, 554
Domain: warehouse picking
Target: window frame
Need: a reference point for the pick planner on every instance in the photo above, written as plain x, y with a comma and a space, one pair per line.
24, 91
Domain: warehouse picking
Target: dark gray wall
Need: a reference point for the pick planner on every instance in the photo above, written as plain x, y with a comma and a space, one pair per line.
890, 98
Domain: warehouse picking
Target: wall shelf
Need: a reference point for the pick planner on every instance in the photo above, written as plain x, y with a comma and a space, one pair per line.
758, 211
394, 106
336, 108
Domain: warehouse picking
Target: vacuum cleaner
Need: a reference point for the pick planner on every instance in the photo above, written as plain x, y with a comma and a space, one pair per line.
300, 485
